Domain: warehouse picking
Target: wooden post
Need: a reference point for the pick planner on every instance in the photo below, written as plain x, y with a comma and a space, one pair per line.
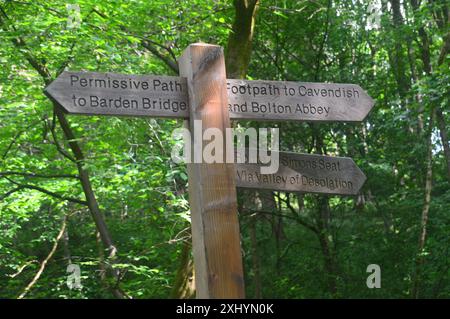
212, 187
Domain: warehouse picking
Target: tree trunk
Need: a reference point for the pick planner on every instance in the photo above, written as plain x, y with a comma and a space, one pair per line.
397, 60
326, 241
425, 212
255, 257
426, 60
86, 183
445, 49
323, 224
66, 248
278, 232
439, 115
107, 271
240, 40
184, 287
425, 41
444, 138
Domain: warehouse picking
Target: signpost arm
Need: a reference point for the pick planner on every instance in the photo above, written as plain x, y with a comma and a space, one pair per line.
212, 187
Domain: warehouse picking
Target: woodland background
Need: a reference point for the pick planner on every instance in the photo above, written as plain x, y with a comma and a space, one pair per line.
103, 193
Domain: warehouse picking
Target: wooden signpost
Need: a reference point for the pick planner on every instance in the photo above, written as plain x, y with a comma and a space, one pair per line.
297, 101
202, 92
305, 173
92, 93
212, 187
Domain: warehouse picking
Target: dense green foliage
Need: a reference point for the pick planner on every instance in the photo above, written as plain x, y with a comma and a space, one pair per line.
142, 194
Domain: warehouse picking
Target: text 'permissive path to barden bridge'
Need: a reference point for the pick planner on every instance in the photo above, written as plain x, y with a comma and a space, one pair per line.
166, 96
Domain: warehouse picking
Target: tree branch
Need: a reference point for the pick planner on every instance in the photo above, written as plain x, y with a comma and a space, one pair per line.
45, 261
16, 137
296, 218
322, 43
58, 146
19, 271
42, 190
39, 175
69, 59
150, 45
8, 193
152, 48
20, 44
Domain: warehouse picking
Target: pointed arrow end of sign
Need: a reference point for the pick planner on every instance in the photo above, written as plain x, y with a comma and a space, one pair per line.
52, 93
47, 91
361, 177
50, 89
369, 106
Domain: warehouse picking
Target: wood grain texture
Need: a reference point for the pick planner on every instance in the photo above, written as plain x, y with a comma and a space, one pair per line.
114, 94
297, 101
307, 173
212, 187
93, 93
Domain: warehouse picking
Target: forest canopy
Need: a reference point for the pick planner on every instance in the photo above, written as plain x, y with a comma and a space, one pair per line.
102, 195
